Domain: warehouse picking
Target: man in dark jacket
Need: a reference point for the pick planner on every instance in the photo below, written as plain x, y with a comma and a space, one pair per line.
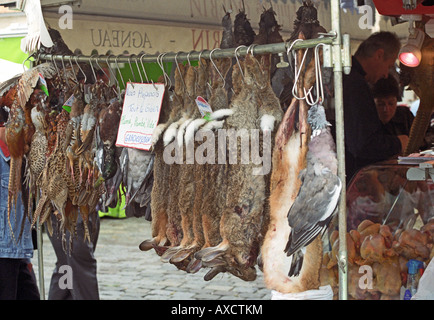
366, 140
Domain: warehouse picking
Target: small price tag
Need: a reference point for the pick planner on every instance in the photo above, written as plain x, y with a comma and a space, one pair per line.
68, 104
204, 107
43, 84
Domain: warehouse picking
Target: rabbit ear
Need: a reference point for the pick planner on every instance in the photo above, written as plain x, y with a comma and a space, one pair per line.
169, 253
213, 272
211, 253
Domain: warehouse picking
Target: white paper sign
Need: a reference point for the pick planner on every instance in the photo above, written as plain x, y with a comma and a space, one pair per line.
140, 114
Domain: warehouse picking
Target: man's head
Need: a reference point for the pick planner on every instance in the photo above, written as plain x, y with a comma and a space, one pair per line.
378, 54
386, 94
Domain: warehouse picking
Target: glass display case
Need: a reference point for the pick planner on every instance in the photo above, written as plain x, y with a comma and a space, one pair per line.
386, 193
390, 221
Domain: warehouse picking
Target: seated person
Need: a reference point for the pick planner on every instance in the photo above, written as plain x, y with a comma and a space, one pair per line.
396, 119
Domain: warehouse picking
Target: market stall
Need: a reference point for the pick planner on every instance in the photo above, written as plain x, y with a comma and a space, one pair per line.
113, 129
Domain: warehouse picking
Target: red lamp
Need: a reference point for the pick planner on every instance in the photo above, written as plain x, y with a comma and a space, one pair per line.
410, 54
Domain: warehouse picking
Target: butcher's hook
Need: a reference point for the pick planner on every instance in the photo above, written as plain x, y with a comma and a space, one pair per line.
199, 59
194, 69
78, 65
160, 62
201, 65
24, 62
318, 81
57, 69
138, 68
251, 48
91, 67
64, 72
102, 69
212, 61
113, 74
146, 75
297, 72
188, 57
131, 68
179, 71
119, 70
238, 61
72, 68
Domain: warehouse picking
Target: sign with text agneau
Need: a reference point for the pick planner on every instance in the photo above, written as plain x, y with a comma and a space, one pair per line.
140, 114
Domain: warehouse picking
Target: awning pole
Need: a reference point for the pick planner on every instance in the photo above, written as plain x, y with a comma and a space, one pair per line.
340, 147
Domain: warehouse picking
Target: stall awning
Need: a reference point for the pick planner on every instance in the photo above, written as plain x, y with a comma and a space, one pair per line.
396, 8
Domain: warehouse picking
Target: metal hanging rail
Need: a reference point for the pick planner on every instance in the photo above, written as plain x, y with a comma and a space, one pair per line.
195, 55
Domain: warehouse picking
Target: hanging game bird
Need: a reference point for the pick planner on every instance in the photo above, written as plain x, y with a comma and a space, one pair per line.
19, 127
317, 199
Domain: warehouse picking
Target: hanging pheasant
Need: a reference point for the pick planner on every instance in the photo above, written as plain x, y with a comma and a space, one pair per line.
19, 125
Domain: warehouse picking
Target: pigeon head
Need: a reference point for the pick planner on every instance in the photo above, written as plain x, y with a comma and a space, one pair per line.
316, 117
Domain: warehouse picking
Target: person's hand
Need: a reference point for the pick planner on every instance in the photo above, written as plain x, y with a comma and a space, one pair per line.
404, 141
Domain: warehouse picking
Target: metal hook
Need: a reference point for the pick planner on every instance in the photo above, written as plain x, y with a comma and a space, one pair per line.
64, 71
101, 68
138, 68
238, 61
143, 67
251, 47
188, 57
120, 73
297, 72
113, 74
179, 71
91, 67
168, 77
196, 84
218, 71
297, 76
24, 62
84, 74
318, 80
146, 75
72, 68
203, 68
199, 59
55, 66
292, 45
131, 68
161, 64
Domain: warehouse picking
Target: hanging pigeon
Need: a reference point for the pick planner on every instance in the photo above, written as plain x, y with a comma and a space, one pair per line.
316, 202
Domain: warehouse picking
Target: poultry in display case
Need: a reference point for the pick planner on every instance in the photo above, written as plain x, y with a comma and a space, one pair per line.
390, 220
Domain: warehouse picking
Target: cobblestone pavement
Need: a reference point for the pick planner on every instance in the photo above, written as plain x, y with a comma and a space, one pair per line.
126, 273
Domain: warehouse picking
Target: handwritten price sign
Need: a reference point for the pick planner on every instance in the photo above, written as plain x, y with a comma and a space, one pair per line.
140, 114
